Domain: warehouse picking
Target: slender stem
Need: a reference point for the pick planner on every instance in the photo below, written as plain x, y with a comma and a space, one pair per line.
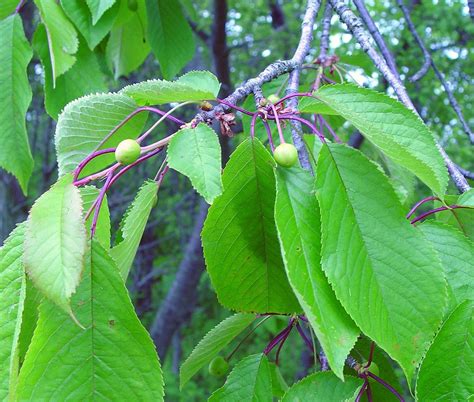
98, 204
91, 156
232, 106
419, 203
386, 385
277, 357
277, 339
371, 355
19, 6
362, 390
333, 133
294, 95
252, 125
369, 392
306, 123
277, 121
304, 337
269, 134
433, 211
229, 356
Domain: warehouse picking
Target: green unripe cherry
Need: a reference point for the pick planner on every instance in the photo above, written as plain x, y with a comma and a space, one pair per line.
127, 152
218, 366
273, 98
285, 155
132, 5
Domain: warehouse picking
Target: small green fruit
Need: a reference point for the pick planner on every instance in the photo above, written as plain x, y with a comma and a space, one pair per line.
132, 5
285, 155
273, 98
218, 366
127, 152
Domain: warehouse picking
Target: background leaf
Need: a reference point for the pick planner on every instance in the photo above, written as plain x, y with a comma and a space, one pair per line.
212, 343
170, 36
397, 131
113, 357
133, 226
62, 37
249, 381
86, 121
79, 13
456, 252
98, 8
239, 237
12, 294
448, 368
193, 86
55, 242
196, 153
323, 386
7, 7
83, 78
383, 271
299, 229
15, 54
127, 47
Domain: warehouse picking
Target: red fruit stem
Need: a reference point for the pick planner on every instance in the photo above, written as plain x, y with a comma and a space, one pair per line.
91, 156
277, 121
433, 211
419, 203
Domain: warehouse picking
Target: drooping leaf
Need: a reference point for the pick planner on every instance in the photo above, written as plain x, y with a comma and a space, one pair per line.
297, 218
133, 226
456, 252
83, 78
112, 358
314, 105
240, 240
448, 369
102, 231
29, 319
12, 295
98, 8
62, 37
170, 36
383, 271
85, 122
323, 386
7, 7
15, 54
249, 381
212, 343
79, 13
397, 131
192, 86
196, 153
55, 242
127, 47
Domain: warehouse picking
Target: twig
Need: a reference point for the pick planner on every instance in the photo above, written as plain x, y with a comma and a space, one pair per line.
374, 31
302, 50
428, 60
355, 25
326, 29
466, 173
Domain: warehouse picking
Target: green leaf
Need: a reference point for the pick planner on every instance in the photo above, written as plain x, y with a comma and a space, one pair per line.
460, 218
15, 54
133, 226
212, 343
249, 381
193, 86
397, 131
7, 7
448, 369
196, 153
385, 274
127, 47
314, 105
98, 8
240, 240
80, 15
112, 358
279, 385
62, 37
170, 36
102, 232
298, 222
323, 386
12, 295
83, 78
55, 242
456, 252
85, 122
